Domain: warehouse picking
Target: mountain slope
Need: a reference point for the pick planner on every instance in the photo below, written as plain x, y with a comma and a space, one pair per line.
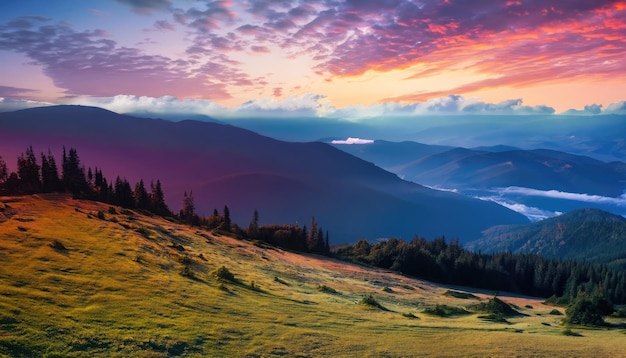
584, 234
225, 165
81, 278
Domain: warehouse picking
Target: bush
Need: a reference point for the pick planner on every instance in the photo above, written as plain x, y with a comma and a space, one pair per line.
224, 274
569, 332
370, 301
462, 295
112, 210
101, 215
58, 246
556, 312
326, 289
445, 311
620, 313
585, 312
495, 306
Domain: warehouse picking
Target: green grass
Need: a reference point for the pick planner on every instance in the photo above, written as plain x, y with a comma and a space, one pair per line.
116, 290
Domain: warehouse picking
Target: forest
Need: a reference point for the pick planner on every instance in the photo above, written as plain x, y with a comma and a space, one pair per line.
34, 177
532, 275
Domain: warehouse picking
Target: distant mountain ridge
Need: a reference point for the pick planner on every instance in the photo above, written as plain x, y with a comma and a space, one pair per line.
226, 165
583, 234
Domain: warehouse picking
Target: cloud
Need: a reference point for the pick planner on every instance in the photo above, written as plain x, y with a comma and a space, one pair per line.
146, 7
307, 105
532, 213
8, 104
616, 108
555, 194
590, 109
15, 92
351, 140
89, 63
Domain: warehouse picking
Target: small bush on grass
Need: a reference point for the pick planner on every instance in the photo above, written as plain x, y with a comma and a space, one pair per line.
462, 295
410, 315
445, 311
495, 306
58, 246
326, 289
101, 215
556, 312
223, 274
620, 313
370, 301
387, 289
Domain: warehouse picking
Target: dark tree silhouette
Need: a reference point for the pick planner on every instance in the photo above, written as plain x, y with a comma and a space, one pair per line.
253, 228
142, 198
226, 224
28, 172
50, 174
73, 175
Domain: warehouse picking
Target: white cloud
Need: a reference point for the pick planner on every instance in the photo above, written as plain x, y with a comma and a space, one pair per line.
8, 104
309, 105
532, 213
351, 140
616, 108
597, 199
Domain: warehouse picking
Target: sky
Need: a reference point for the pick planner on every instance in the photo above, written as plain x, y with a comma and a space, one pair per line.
346, 58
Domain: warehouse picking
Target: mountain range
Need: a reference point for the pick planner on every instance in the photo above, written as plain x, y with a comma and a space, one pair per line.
225, 165
537, 182
585, 234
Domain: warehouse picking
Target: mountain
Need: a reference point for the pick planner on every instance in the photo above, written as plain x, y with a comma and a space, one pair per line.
226, 165
585, 234
491, 167
85, 279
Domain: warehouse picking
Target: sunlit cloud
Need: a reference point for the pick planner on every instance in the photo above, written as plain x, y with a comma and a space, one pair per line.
351, 140
532, 213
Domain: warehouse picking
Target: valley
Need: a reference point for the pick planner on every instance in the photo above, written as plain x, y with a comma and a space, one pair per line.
84, 278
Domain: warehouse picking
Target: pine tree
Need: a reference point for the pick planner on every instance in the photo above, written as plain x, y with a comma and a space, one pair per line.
311, 240
253, 228
28, 172
226, 223
188, 211
157, 199
142, 199
4, 172
73, 175
50, 174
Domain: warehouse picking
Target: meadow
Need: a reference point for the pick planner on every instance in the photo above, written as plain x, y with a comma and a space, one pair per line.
81, 278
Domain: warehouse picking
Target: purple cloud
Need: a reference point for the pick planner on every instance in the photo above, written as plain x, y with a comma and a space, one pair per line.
88, 63
15, 92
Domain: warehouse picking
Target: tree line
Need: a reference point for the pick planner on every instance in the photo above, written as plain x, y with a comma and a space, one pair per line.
32, 177
450, 263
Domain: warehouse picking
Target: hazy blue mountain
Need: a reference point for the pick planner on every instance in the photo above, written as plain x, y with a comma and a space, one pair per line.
226, 165
583, 234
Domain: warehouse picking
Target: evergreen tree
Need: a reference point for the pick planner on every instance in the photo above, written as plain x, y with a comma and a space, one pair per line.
157, 199
73, 175
311, 240
142, 199
4, 172
188, 211
253, 228
28, 172
123, 193
226, 223
50, 174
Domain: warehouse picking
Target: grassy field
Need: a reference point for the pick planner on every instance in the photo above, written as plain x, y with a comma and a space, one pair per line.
80, 278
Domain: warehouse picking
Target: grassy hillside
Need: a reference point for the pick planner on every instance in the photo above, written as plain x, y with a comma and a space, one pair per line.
80, 278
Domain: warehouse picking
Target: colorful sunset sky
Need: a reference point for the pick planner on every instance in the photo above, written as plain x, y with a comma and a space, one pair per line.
316, 57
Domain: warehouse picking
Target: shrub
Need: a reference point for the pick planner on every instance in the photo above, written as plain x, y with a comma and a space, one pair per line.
445, 311
282, 282
620, 313
569, 332
495, 317
494, 306
370, 301
584, 311
326, 289
112, 210
462, 295
556, 312
224, 274
101, 215
410, 315
58, 246
387, 289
